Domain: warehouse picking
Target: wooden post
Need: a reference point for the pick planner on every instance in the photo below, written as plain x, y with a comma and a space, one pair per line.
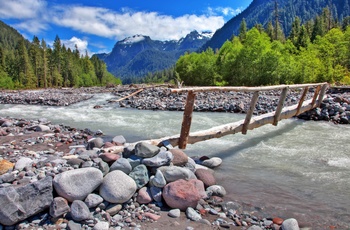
301, 101
322, 93
317, 91
280, 106
250, 112
187, 120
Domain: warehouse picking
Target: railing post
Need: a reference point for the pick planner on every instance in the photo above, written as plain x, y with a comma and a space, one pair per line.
317, 91
322, 93
249, 115
301, 101
187, 120
280, 106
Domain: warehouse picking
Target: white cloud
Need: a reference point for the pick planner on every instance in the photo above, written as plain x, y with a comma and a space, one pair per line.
82, 45
38, 15
110, 24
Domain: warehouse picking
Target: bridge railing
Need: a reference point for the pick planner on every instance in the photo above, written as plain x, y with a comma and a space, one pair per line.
244, 125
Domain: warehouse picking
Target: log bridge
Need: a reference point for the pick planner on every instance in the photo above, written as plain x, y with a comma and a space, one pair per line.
250, 122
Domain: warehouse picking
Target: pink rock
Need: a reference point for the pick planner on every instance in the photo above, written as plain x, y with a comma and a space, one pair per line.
108, 145
152, 216
109, 157
144, 196
206, 176
182, 194
180, 158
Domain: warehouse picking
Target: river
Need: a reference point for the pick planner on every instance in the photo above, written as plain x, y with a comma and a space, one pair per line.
298, 169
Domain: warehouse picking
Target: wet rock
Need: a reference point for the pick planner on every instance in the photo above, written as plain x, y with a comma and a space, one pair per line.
162, 158
216, 190
19, 203
67, 185
117, 187
173, 173
140, 175
180, 158
146, 150
182, 194
59, 207
80, 211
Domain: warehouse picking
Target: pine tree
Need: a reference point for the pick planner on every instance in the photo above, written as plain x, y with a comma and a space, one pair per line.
44, 69
242, 31
294, 33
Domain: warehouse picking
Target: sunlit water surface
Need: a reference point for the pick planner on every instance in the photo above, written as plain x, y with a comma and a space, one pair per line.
298, 169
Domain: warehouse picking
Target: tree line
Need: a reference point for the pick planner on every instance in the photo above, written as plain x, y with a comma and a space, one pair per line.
29, 65
316, 51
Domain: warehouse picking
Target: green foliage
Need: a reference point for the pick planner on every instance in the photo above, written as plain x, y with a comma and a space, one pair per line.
261, 60
29, 65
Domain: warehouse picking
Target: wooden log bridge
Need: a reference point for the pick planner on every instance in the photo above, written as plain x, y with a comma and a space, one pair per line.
249, 123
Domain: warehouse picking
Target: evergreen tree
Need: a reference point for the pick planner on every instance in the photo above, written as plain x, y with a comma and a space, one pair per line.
295, 31
242, 31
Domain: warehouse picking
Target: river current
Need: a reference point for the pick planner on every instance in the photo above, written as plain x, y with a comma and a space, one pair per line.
298, 169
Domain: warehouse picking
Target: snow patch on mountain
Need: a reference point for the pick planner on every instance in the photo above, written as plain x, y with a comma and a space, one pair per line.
134, 39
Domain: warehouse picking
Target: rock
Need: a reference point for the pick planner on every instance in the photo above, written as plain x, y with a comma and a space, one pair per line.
104, 167
146, 150
109, 157
101, 225
216, 190
117, 187
42, 128
174, 213
290, 224
162, 158
180, 158
140, 175
277, 220
94, 143
156, 194
121, 164
59, 207
212, 162
144, 196
206, 176
119, 140
93, 200
5, 166
254, 227
113, 209
152, 216
173, 173
74, 226
182, 194
80, 211
158, 179
17, 204
192, 214
22, 163
77, 184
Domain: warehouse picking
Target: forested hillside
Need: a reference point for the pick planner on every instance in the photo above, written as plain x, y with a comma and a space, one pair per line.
316, 51
29, 65
264, 12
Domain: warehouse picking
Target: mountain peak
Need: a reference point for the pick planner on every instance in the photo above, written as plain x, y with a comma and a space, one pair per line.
134, 39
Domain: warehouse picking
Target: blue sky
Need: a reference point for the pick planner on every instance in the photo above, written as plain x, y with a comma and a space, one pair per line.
96, 25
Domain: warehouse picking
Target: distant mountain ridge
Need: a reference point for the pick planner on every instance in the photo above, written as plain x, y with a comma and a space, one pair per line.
262, 11
139, 55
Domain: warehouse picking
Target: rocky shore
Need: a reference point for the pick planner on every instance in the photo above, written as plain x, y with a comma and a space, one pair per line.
58, 177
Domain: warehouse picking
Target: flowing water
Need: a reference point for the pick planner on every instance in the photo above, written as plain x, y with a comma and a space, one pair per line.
298, 169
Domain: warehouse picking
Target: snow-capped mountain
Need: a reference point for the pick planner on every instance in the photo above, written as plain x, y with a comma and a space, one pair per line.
139, 55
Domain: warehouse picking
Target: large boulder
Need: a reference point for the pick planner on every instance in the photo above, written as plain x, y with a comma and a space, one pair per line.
173, 173
140, 175
19, 203
162, 158
180, 158
117, 187
77, 184
206, 176
182, 194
